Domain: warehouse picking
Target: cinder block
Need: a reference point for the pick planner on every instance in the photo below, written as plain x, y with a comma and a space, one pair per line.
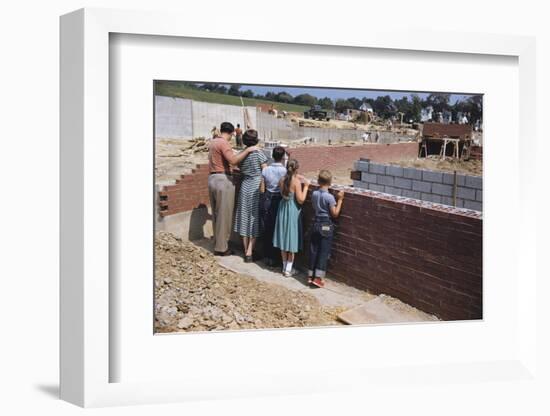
403, 183
431, 198
440, 189
359, 184
448, 178
474, 182
466, 193
368, 177
460, 203
362, 165
477, 206
394, 170
411, 194
412, 173
422, 186
385, 180
392, 190
377, 188
447, 200
431, 176
479, 195
376, 168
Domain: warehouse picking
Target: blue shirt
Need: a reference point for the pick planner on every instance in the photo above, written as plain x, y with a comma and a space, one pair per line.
272, 175
322, 201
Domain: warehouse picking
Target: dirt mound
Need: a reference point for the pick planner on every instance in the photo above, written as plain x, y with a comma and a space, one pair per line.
468, 167
194, 293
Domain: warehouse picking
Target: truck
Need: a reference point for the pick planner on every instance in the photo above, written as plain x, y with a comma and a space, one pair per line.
317, 113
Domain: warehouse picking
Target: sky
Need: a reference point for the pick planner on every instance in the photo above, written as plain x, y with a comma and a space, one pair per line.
336, 93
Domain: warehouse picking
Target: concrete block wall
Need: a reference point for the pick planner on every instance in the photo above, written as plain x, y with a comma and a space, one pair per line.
426, 185
425, 254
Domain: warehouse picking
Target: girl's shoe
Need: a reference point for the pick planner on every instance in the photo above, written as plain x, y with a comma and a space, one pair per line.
248, 259
318, 282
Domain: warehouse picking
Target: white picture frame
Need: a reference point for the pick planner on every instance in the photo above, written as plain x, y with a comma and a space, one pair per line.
85, 220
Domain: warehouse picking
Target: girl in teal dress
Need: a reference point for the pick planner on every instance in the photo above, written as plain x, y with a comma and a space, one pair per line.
287, 235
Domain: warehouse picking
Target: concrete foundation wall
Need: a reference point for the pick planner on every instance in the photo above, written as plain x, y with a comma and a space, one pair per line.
425, 185
173, 118
178, 118
208, 115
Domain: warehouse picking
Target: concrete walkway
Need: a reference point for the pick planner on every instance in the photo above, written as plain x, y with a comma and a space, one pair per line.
361, 307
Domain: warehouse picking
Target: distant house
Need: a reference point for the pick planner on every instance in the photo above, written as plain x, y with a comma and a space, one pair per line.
446, 117
426, 114
366, 107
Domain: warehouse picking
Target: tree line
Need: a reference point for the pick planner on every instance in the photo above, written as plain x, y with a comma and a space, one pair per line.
383, 106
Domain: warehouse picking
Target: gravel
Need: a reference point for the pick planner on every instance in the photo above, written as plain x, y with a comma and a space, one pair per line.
194, 293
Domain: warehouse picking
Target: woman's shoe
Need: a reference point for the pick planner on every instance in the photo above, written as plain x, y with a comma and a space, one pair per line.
248, 259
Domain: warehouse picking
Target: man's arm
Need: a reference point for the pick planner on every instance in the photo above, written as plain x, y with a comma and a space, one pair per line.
235, 159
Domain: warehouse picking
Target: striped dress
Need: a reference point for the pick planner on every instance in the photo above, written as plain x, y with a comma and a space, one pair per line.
247, 213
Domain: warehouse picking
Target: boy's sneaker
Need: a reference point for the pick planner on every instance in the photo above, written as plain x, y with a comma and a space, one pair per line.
318, 282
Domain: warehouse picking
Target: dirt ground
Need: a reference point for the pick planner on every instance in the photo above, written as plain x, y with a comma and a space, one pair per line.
469, 167
194, 293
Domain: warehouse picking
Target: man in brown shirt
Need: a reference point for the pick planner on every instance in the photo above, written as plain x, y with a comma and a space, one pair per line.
239, 136
221, 188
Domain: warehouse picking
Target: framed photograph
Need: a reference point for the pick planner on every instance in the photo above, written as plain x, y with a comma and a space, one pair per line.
257, 214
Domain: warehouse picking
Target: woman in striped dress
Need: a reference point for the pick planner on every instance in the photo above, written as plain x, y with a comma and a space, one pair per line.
247, 216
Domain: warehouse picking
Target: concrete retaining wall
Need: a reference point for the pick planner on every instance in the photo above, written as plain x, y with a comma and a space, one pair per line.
173, 118
178, 118
422, 184
208, 115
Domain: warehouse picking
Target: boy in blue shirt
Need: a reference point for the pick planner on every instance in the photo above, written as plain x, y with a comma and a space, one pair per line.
325, 207
271, 198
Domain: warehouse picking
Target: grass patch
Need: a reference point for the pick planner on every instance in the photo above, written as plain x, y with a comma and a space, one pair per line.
173, 89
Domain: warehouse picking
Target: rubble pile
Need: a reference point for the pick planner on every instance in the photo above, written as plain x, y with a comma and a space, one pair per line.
194, 293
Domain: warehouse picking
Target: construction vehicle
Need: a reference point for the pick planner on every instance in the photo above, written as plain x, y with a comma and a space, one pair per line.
317, 113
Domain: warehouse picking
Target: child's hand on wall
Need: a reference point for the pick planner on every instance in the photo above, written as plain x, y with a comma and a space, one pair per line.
340, 195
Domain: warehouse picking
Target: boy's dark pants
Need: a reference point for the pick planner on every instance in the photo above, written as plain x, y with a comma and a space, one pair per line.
320, 244
270, 207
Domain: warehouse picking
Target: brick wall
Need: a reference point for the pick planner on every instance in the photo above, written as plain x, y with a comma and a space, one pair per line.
313, 158
427, 255
190, 191
423, 184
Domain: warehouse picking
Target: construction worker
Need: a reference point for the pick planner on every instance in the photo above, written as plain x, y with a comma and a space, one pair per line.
239, 136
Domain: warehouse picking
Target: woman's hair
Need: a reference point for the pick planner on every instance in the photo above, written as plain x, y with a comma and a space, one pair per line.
291, 169
250, 138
